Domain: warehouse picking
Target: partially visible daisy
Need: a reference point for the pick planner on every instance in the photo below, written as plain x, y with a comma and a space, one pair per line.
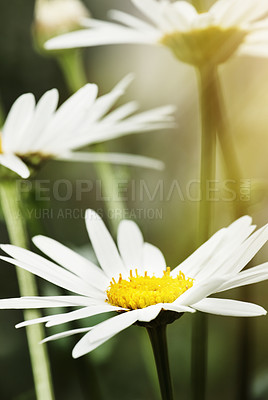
229, 27
36, 132
135, 282
54, 17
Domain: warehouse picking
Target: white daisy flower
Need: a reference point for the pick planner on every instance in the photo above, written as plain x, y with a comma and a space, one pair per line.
230, 27
134, 281
35, 132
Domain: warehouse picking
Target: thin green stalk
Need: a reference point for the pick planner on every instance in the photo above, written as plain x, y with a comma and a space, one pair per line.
208, 150
199, 356
233, 171
245, 352
71, 64
218, 123
207, 89
27, 286
230, 159
159, 344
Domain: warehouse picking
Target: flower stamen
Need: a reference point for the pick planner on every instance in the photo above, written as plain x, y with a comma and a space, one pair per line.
143, 291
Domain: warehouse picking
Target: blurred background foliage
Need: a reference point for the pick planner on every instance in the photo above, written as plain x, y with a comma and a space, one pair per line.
125, 363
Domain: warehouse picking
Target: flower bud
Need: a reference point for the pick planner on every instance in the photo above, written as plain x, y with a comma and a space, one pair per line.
54, 17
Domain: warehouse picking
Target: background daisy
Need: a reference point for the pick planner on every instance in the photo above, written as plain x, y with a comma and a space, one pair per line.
228, 27
36, 132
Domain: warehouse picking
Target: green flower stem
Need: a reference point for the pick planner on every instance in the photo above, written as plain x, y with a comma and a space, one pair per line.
245, 352
17, 233
206, 79
199, 356
159, 344
233, 171
214, 120
71, 64
230, 159
208, 149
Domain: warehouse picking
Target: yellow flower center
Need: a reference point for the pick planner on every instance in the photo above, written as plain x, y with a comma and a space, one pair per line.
1, 149
143, 291
200, 46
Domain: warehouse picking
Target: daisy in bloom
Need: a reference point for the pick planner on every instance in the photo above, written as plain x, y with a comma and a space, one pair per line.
135, 282
33, 132
230, 27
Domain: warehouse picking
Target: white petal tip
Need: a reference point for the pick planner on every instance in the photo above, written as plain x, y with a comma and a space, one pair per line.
5, 247
36, 238
160, 166
25, 175
91, 214
20, 325
75, 353
51, 44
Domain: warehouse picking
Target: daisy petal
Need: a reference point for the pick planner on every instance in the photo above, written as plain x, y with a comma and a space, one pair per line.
105, 132
80, 314
147, 314
247, 251
33, 322
159, 114
131, 21
97, 37
68, 117
153, 260
199, 291
44, 302
84, 346
65, 334
15, 164
104, 331
130, 243
104, 103
177, 308
113, 158
213, 253
183, 15
72, 261
219, 7
201, 255
51, 272
121, 112
235, 236
242, 12
103, 245
113, 325
151, 9
252, 275
44, 111
17, 121
253, 50
229, 307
